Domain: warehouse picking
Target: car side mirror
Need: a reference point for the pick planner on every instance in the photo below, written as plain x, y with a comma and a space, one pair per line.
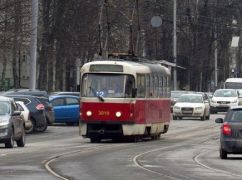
219, 120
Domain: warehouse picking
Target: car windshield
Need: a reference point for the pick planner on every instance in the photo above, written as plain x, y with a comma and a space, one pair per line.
234, 115
225, 93
4, 108
107, 85
190, 99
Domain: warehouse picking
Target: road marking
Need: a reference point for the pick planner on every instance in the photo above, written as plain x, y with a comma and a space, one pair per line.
196, 159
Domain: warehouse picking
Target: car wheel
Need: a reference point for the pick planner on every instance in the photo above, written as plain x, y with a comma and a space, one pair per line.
95, 139
21, 141
204, 116
42, 128
31, 129
223, 154
10, 141
180, 118
174, 117
211, 112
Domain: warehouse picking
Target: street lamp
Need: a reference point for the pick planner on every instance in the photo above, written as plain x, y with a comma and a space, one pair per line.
174, 46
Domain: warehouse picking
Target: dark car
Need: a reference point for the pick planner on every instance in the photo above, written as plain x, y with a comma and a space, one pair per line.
11, 123
231, 132
66, 108
37, 112
42, 97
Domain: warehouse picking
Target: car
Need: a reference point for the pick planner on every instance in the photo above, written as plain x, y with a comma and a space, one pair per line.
231, 132
37, 112
223, 99
26, 115
11, 123
42, 97
175, 95
66, 108
191, 105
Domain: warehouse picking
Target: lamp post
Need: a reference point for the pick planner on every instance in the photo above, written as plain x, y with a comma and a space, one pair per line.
174, 45
33, 44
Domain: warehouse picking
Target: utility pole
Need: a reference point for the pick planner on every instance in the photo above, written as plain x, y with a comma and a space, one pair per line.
174, 45
33, 44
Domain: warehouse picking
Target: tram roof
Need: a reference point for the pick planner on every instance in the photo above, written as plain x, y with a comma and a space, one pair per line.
130, 66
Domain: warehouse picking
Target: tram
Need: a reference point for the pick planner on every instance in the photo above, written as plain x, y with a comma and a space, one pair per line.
124, 99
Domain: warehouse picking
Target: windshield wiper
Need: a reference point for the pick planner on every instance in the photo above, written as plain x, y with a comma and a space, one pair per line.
98, 96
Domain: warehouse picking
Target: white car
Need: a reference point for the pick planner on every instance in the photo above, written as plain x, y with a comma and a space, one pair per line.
191, 105
25, 113
223, 99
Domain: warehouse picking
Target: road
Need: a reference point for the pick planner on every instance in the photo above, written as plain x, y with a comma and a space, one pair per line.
189, 151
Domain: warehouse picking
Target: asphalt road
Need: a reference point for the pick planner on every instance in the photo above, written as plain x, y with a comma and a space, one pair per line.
188, 151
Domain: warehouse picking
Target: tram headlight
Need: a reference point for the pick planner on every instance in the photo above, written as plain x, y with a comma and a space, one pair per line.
118, 114
89, 113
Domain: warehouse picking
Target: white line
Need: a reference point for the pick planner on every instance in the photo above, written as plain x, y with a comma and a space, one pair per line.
214, 169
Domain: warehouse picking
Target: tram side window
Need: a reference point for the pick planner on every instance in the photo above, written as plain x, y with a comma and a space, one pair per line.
151, 86
168, 87
141, 85
164, 87
147, 86
160, 86
156, 86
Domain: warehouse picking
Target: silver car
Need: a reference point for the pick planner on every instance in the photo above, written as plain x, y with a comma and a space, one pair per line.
11, 123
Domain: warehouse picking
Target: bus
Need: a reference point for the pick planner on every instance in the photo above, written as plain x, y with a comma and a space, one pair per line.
233, 83
123, 99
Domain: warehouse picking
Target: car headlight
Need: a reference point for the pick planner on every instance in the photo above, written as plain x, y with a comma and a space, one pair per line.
213, 101
234, 101
176, 107
198, 108
4, 121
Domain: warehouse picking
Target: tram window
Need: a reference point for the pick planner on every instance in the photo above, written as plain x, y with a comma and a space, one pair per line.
164, 87
129, 86
141, 85
160, 86
152, 84
156, 86
147, 86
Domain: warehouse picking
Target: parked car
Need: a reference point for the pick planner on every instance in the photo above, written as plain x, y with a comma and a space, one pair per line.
191, 105
42, 97
26, 115
231, 132
11, 123
66, 108
37, 112
223, 99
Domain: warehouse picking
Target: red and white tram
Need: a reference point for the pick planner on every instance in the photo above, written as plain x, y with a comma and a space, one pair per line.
124, 99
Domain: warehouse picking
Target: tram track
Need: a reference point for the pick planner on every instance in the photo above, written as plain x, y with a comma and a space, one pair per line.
94, 148
168, 174
49, 163
197, 157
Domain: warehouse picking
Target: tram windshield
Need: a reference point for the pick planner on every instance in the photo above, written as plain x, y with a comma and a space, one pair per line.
107, 85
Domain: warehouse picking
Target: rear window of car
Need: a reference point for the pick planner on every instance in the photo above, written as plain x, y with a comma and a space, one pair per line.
25, 100
234, 116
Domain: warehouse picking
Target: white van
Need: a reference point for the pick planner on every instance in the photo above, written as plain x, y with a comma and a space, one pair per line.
223, 99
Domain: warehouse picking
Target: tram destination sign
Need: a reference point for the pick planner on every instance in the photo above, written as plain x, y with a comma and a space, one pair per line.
106, 67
